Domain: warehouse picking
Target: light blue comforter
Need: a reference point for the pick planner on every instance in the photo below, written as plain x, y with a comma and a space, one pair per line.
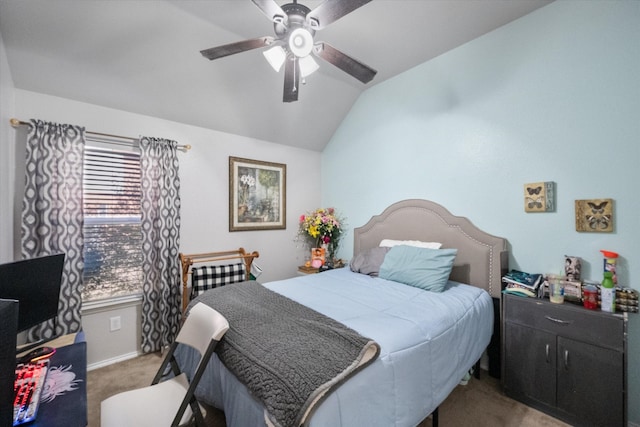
428, 342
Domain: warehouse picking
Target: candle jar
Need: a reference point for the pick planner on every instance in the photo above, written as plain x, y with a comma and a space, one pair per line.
556, 291
590, 297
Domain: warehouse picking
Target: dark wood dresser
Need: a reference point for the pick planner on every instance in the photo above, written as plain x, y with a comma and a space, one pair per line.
565, 360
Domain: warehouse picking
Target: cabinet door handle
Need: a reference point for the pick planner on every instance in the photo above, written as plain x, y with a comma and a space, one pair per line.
546, 351
562, 322
566, 360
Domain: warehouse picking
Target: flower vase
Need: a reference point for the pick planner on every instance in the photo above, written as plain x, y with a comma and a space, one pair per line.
327, 254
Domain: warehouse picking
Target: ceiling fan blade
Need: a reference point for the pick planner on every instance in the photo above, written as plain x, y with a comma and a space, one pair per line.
271, 9
357, 69
291, 80
232, 48
332, 10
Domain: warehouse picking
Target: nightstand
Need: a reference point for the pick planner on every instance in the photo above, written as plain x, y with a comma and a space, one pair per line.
565, 360
303, 270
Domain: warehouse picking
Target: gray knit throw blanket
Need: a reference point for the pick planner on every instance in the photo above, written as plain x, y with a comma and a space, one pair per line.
288, 355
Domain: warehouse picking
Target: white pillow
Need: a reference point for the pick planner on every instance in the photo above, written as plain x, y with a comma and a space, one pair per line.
415, 243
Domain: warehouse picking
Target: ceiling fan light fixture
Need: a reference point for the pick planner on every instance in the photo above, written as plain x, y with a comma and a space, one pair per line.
295, 26
300, 42
307, 66
275, 57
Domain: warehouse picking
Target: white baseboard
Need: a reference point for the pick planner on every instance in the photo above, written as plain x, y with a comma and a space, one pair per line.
107, 362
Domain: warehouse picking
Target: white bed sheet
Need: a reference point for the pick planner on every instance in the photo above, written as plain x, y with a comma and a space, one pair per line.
428, 342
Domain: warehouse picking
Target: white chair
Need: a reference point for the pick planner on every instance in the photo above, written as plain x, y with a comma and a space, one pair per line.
171, 402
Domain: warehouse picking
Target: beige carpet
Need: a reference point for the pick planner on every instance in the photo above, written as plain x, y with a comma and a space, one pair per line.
479, 403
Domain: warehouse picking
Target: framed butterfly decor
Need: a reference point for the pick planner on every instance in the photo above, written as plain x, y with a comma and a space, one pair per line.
539, 197
594, 215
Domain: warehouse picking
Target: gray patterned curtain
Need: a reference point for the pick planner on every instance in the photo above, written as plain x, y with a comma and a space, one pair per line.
52, 216
160, 242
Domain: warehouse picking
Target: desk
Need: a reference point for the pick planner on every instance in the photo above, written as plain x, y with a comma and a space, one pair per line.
64, 397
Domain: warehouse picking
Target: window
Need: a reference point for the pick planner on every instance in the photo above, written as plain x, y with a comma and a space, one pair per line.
112, 230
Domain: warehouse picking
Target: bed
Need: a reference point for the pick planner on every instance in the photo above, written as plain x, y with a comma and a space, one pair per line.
427, 340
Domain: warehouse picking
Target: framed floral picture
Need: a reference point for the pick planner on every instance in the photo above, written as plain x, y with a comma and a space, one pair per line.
257, 195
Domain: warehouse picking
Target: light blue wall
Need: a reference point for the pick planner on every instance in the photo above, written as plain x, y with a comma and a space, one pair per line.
554, 96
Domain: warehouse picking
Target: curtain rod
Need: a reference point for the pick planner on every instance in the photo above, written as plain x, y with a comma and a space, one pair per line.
15, 123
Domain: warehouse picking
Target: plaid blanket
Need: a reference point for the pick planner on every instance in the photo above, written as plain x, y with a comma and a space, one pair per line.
212, 276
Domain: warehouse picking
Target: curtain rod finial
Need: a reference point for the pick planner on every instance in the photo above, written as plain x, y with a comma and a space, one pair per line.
14, 122
187, 147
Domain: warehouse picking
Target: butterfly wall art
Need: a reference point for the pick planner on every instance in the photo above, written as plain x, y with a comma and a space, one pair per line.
594, 215
539, 197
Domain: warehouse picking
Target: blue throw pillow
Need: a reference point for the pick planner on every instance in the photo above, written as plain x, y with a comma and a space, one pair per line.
423, 268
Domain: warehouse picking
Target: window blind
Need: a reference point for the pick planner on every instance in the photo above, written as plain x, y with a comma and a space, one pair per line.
112, 231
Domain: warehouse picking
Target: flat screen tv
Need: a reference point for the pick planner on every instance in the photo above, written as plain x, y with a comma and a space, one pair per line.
35, 284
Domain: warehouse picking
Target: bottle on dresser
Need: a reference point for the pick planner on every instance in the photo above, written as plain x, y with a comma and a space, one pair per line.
608, 293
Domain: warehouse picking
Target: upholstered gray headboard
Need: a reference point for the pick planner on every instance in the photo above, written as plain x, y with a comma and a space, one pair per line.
482, 258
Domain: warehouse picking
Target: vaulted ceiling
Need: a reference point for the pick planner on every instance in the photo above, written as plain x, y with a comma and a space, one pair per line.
144, 57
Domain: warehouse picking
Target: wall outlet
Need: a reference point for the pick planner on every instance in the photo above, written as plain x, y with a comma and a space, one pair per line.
115, 323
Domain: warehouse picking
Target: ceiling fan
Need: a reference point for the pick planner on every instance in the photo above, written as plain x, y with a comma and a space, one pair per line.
295, 25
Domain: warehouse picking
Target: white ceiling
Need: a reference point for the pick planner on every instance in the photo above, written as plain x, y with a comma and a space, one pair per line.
144, 56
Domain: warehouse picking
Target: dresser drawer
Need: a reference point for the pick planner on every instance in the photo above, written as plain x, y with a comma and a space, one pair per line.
567, 320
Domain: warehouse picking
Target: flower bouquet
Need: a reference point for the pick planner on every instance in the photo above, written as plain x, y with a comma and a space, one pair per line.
322, 228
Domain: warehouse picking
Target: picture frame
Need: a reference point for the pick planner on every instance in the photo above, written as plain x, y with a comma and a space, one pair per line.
539, 197
594, 215
257, 195
318, 257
